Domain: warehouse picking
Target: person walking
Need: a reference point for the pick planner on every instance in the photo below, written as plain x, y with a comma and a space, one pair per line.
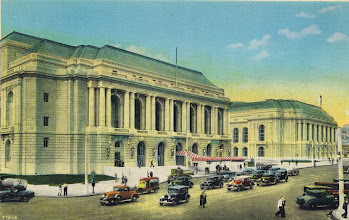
203, 199
281, 207
345, 207
65, 189
151, 164
151, 173
116, 177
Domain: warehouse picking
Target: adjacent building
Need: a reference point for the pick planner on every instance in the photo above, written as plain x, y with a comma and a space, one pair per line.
281, 129
63, 105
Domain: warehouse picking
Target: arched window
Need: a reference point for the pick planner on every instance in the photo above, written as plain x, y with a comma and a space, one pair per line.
138, 114
194, 148
161, 154
176, 117
141, 154
261, 152
261, 133
116, 111
208, 150
220, 122
9, 109
158, 116
236, 152
235, 135
245, 135
244, 152
192, 118
207, 120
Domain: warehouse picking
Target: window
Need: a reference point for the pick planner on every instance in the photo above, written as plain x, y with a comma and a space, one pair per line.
244, 135
261, 133
220, 121
45, 97
117, 144
45, 121
208, 150
207, 120
312, 132
261, 152
308, 131
235, 135
244, 152
45, 141
236, 152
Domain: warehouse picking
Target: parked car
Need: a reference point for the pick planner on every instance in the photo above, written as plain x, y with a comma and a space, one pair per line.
256, 174
326, 189
267, 179
183, 180
227, 175
119, 193
264, 166
240, 183
16, 193
281, 175
274, 168
293, 172
175, 195
178, 172
212, 182
147, 185
316, 198
247, 171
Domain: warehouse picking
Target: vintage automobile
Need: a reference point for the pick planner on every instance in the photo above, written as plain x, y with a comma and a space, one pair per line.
183, 181
326, 189
281, 175
212, 182
264, 166
179, 172
240, 183
314, 198
227, 175
274, 168
267, 179
147, 185
16, 193
175, 195
256, 174
247, 171
119, 193
293, 172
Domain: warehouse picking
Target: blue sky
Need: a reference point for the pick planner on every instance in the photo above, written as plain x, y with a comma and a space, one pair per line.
254, 50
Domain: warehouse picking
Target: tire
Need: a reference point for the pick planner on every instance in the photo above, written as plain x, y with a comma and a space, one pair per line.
155, 190
134, 198
187, 200
161, 204
140, 191
311, 206
191, 185
201, 187
25, 199
267, 183
238, 189
251, 187
228, 189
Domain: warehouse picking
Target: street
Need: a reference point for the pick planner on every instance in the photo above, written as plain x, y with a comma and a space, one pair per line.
258, 203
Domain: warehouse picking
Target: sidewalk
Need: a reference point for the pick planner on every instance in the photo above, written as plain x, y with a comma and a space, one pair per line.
78, 190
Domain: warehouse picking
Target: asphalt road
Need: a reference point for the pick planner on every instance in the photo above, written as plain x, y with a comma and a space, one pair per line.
258, 203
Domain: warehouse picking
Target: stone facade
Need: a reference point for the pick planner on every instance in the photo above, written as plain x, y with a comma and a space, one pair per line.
63, 105
282, 129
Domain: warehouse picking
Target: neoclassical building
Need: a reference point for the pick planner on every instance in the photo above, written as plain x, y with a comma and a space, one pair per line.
281, 129
63, 105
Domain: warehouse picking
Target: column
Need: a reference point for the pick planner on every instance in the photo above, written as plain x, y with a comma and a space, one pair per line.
184, 116
148, 112
153, 112
108, 111
213, 120
305, 131
132, 110
199, 119
127, 109
167, 114
226, 122
311, 132
91, 106
188, 116
203, 119
171, 115
101, 106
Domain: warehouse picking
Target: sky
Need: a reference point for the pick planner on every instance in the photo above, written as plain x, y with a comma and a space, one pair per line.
253, 50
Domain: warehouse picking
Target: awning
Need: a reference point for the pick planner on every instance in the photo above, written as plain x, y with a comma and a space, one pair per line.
195, 157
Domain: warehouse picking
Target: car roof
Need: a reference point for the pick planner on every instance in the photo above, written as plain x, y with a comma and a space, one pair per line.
213, 176
121, 186
148, 178
317, 187
176, 187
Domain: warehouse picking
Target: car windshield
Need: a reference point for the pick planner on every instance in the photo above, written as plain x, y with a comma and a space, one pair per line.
172, 191
119, 189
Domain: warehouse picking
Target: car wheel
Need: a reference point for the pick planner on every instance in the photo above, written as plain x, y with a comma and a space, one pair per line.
238, 189
251, 187
191, 185
140, 191
161, 204
155, 190
257, 184
187, 200
268, 184
311, 206
134, 198
25, 199
201, 187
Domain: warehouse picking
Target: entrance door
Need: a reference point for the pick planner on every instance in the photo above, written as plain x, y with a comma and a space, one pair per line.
117, 159
179, 158
141, 154
161, 152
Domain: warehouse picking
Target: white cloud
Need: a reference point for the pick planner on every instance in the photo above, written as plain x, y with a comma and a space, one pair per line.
330, 8
305, 15
255, 44
235, 45
263, 54
337, 37
117, 45
313, 29
144, 51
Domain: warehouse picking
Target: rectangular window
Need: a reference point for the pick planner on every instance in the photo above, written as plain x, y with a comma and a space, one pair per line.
45, 141
312, 132
317, 133
45, 121
45, 97
308, 131
301, 131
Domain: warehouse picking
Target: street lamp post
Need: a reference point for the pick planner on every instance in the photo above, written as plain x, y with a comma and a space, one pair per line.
86, 163
340, 169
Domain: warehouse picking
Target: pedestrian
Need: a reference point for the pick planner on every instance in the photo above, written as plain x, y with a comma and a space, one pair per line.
151, 164
122, 179
240, 167
125, 180
332, 160
65, 189
244, 165
281, 207
147, 173
345, 207
314, 163
296, 162
281, 162
203, 199
151, 173
116, 177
